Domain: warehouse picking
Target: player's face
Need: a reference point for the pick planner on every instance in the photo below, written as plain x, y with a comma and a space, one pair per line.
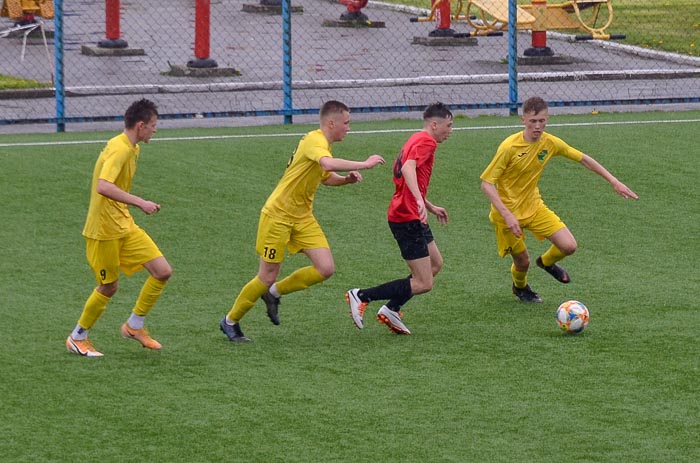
442, 129
146, 129
534, 124
339, 125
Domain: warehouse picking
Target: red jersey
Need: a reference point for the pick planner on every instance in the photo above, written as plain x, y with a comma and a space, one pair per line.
420, 147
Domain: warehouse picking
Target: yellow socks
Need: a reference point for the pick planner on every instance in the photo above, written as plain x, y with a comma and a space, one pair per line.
247, 298
300, 279
552, 256
519, 278
254, 289
151, 291
93, 310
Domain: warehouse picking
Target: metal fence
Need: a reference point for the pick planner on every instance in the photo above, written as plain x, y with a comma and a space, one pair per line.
203, 59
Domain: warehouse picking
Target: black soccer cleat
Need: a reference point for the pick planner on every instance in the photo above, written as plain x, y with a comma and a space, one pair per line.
556, 270
526, 294
272, 304
233, 332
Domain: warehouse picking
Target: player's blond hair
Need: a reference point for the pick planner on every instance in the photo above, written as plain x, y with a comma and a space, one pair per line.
332, 107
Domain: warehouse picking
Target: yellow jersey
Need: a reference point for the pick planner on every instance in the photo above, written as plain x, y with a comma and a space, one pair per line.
108, 219
293, 198
516, 168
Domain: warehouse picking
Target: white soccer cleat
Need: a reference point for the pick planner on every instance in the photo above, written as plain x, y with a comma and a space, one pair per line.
357, 307
392, 320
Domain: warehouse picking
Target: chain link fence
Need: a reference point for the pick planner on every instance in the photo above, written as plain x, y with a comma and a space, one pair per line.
245, 58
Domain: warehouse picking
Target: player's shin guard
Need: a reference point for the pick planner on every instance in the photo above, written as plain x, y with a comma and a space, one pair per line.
299, 279
151, 291
247, 298
93, 310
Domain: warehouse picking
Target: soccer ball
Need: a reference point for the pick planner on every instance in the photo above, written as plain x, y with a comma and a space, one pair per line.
572, 316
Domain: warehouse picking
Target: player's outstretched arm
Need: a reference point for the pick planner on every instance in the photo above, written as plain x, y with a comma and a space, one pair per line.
620, 188
331, 164
339, 180
112, 191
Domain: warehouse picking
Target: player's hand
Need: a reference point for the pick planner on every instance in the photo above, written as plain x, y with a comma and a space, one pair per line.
149, 207
514, 226
624, 191
373, 160
441, 214
353, 177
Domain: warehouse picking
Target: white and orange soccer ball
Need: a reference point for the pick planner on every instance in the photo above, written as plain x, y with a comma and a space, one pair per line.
573, 316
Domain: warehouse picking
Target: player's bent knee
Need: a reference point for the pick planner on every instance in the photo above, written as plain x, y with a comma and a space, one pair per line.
422, 287
569, 248
326, 273
163, 274
108, 290
522, 263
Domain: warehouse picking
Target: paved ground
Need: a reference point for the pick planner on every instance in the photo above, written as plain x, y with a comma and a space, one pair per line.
364, 67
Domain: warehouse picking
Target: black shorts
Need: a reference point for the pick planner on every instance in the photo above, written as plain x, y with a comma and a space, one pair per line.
413, 238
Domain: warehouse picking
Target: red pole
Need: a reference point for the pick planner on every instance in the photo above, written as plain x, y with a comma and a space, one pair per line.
112, 19
201, 29
443, 19
442, 14
539, 30
201, 36
112, 32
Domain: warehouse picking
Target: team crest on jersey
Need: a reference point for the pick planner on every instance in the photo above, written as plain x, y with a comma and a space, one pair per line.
542, 155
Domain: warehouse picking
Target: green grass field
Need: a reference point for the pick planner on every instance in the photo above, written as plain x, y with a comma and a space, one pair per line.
483, 378
670, 25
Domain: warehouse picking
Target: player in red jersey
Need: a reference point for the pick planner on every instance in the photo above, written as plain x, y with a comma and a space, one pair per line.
408, 221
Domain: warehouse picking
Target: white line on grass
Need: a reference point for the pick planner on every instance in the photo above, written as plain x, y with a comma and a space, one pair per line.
359, 132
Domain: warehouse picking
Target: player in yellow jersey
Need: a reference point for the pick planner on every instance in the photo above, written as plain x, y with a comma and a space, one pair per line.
287, 221
113, 240
510, 182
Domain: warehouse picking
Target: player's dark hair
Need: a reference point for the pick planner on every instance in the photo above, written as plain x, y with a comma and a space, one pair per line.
438, 110
333, 107
534, 105
139, 111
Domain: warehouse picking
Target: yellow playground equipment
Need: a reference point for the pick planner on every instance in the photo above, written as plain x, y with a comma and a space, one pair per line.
487, 16
24, 13
490, 17
25, 10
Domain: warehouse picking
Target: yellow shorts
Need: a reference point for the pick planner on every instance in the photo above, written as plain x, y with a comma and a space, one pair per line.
542, 224
129, 254
275, 235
